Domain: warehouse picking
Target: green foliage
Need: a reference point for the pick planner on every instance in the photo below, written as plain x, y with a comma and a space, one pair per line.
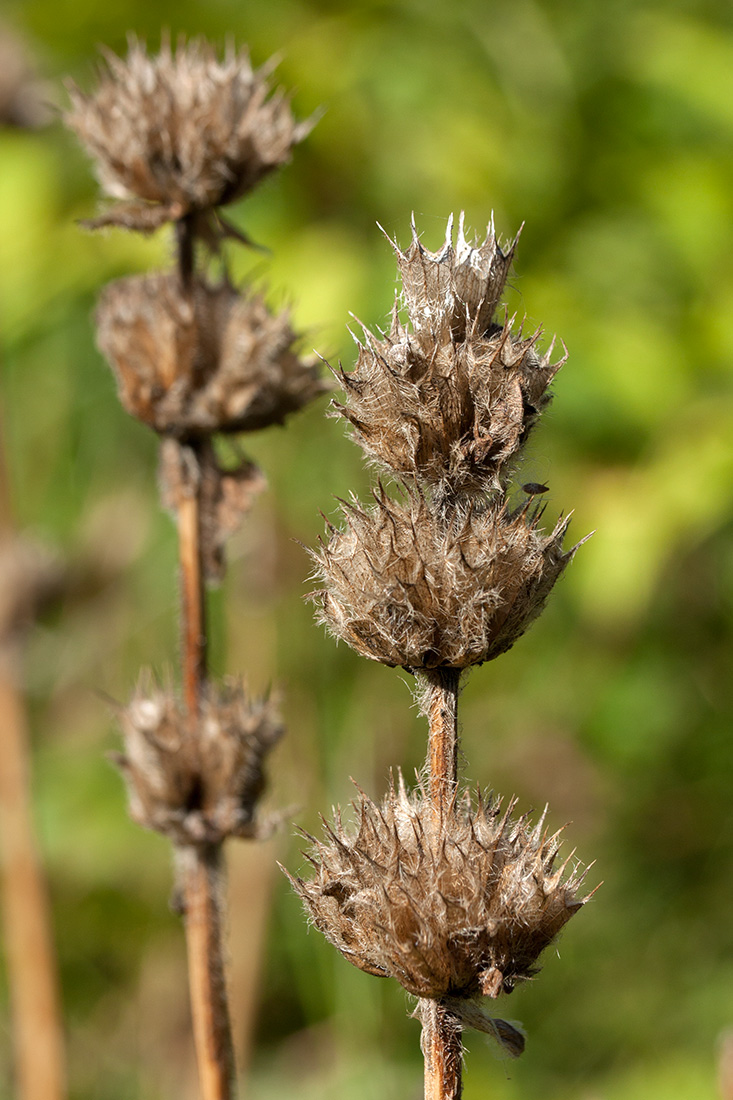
609, 130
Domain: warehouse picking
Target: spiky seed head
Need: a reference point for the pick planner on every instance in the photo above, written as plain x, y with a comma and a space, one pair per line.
454, 292
201, 360
449, 398
197, 780
404, 589
454, 907
181, 132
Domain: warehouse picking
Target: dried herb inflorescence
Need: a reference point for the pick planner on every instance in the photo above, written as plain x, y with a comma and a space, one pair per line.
448, 399
181, 133
456, 901
204, 359
176, 137
198, 782
405, 590
454, 909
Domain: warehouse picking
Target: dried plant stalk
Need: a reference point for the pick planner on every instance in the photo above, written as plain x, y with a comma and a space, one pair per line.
37, 1031
27, 577
199, 874
199, 866
441, 1033
443, 1052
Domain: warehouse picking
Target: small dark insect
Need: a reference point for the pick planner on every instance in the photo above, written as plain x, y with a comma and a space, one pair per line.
533, 488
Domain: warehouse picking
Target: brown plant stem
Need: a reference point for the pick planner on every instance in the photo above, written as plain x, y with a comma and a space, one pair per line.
441, 1034
37, 1031
199, 872
442, 711
39, 1058
442, 1051
199, 867
193, 596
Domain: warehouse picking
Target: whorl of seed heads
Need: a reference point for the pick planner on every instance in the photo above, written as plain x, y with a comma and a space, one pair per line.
402, 589
454, 907
450, 397
181, 131
197, 781
206, 359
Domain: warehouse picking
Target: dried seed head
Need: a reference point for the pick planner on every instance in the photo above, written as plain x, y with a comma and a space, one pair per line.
203, 360
453, 293
453, 908
181, 131
449, 399
197, 780
404, 589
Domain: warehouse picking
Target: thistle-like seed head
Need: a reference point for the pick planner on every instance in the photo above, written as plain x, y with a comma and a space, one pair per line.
454, 292
450, 398
201, 360
454, 907
181, 133
405, 589
197, 780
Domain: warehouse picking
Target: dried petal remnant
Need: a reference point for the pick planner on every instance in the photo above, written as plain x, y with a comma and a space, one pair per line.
181, 131
455, 909
451, 397
203, 360
405, 590
197, 780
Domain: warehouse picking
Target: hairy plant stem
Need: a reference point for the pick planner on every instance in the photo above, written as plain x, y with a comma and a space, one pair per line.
441, 1032
199, 867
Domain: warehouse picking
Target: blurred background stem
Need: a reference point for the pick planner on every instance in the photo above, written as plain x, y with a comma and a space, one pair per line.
37, 1031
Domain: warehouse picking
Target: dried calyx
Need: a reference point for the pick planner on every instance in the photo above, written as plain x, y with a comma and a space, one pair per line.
403, 589
449, 398
181, 133
201, 360
197, 779
456, 908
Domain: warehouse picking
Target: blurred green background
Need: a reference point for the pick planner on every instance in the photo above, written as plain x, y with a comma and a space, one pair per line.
608, 129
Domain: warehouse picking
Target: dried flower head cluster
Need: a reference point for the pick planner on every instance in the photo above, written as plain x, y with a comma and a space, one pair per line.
444, 403
181, 133
456, 901
448, 399
454, 907
404, 590
176, 136
204, 359
197, 780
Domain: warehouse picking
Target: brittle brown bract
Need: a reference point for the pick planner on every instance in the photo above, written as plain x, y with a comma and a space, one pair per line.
449, 398
198, 780
203, 360
406, 590
181, 131
455, 908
